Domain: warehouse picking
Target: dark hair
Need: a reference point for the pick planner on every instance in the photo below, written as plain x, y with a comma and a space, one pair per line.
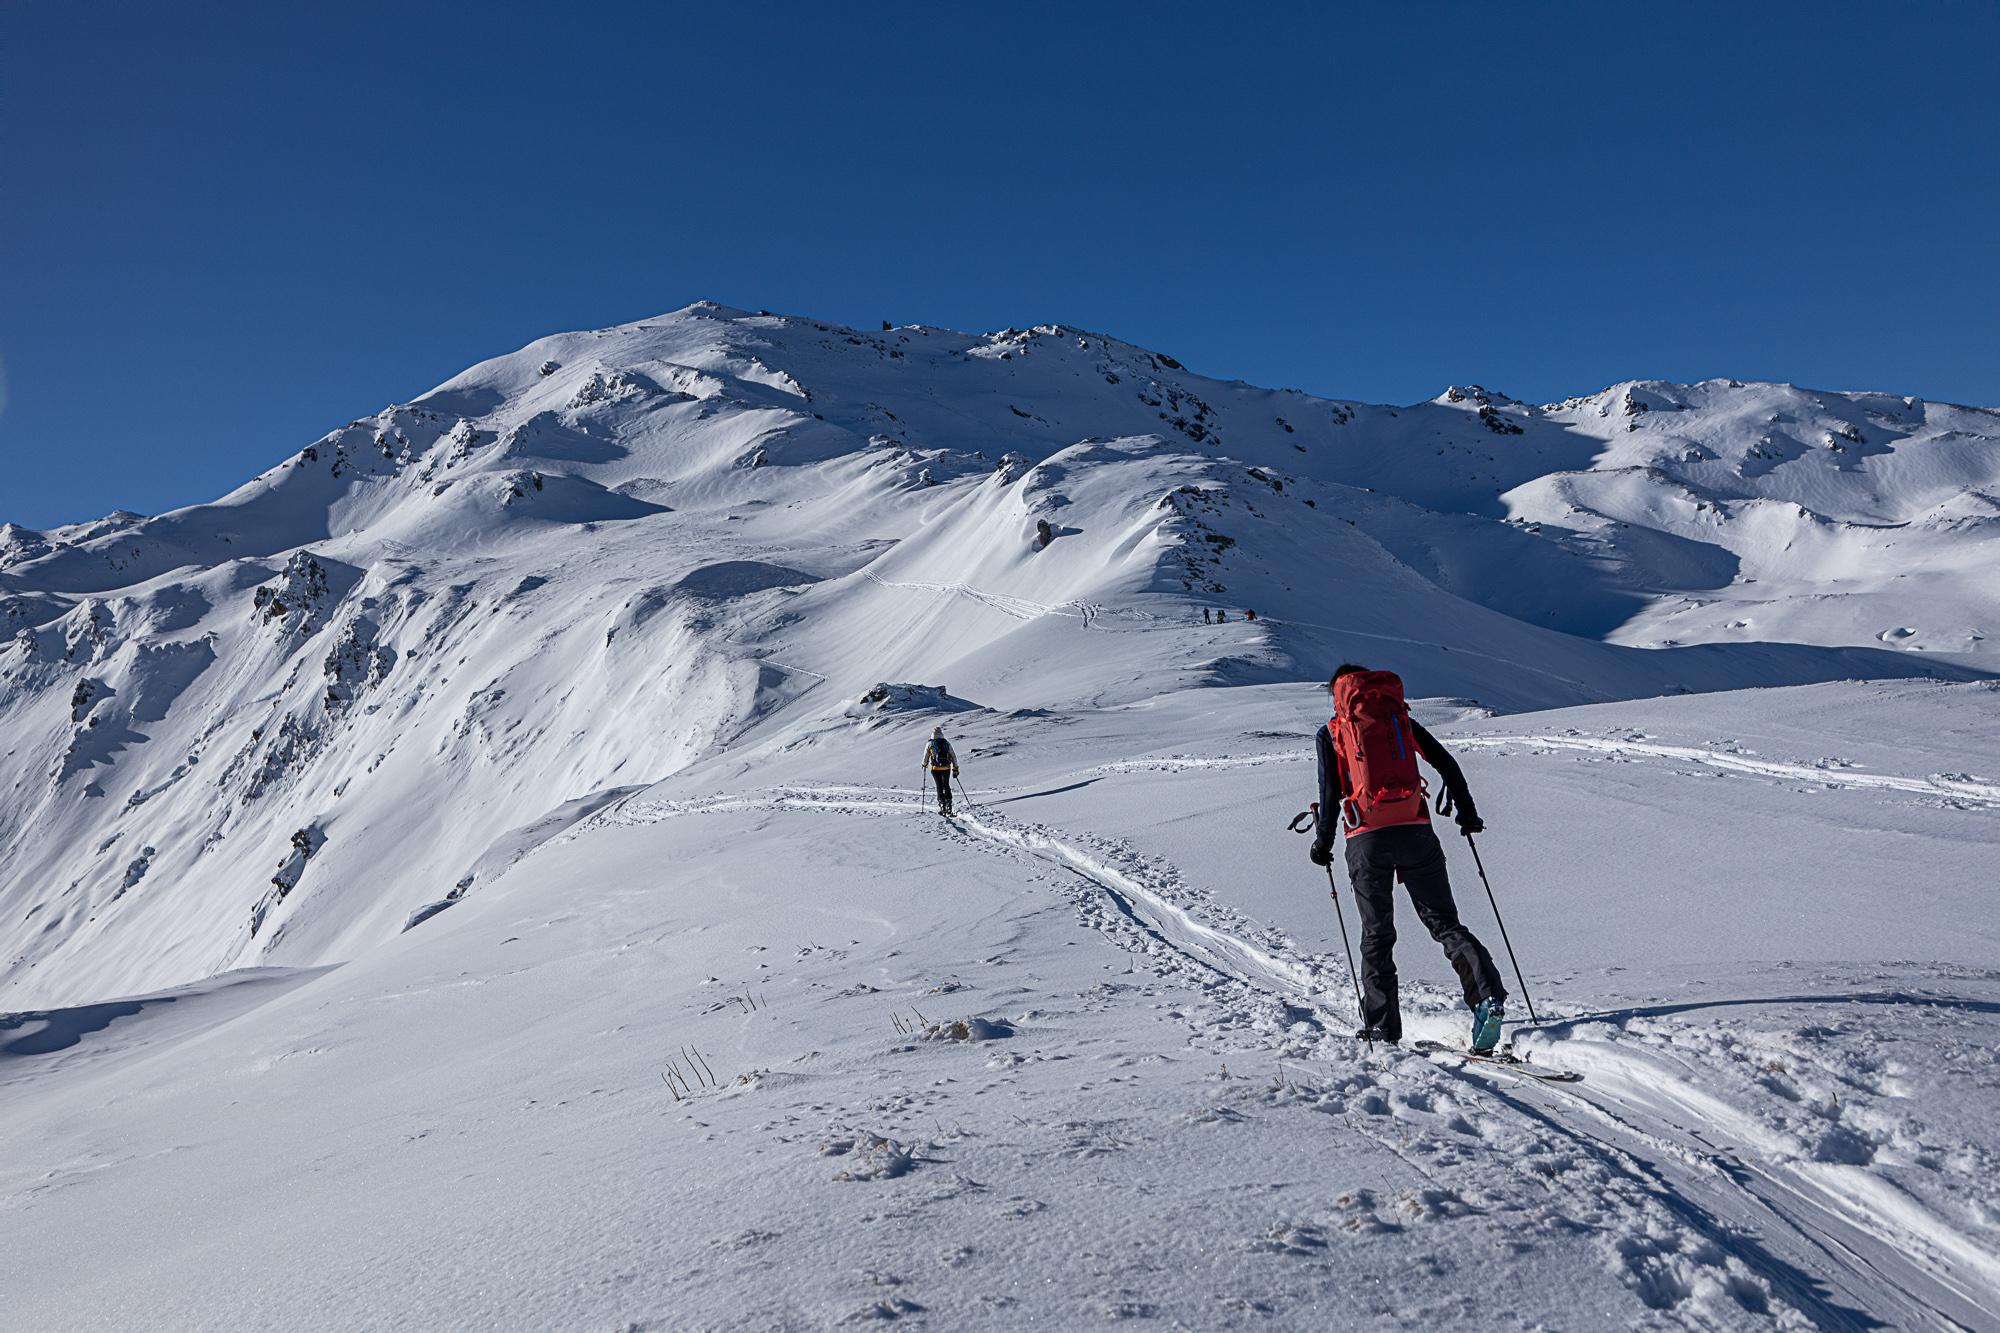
1344, 669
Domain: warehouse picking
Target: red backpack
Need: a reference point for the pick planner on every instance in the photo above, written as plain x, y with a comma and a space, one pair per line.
1371, 734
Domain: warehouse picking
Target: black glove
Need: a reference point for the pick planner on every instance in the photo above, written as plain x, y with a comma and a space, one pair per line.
1469, 824
1321, 854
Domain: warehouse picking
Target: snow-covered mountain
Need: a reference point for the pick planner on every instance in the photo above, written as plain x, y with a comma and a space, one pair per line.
473, 876
269, 729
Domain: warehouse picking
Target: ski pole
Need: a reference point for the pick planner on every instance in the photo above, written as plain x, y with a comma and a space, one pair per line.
1503, 931
962, 791
1355, 976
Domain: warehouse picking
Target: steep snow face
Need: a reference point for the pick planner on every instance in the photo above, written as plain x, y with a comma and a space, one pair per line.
276, 729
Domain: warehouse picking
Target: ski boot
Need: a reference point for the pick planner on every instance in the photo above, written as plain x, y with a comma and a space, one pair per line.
1486, 1026
1376, 1034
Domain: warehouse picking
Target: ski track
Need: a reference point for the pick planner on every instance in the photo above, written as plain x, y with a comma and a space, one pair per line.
1175, 763
1873, 1222
1021, 608
1827, 774
1151, 896
1716, 1214
1852, 1220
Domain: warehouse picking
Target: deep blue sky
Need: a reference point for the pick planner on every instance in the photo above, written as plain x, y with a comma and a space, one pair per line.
228, 227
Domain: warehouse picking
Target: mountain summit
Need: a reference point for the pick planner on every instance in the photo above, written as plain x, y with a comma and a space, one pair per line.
616, 554
482, 874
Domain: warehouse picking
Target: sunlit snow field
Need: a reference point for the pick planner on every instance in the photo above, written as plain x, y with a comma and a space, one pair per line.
479, 876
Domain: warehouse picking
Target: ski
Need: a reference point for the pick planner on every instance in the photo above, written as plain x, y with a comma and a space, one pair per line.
1515, 1063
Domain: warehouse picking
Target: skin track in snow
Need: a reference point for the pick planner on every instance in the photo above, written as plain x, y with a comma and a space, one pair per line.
1511, 1063
489, 833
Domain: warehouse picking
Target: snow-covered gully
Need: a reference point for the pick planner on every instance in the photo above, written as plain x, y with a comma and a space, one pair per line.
1714, 1201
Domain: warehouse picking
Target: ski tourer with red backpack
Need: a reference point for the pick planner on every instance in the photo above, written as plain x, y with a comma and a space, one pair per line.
1368, 773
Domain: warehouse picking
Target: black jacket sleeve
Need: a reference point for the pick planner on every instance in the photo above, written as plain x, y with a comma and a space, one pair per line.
1332, 787
1448, 769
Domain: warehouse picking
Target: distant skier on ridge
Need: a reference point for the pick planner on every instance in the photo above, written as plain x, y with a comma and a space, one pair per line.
1368, 772
943, 766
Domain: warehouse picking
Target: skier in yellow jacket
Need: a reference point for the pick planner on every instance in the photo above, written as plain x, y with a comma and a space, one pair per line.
943, 765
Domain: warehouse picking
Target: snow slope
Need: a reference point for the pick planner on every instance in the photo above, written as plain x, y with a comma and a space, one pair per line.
265, 731
452, 775
1151, 1110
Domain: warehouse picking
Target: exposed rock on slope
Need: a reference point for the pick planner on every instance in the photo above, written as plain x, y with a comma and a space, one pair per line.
581, 566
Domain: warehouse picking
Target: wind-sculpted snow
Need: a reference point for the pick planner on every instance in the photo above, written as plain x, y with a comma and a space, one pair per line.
616, 553
575, 710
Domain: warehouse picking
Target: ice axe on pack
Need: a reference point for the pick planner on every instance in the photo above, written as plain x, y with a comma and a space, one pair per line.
1307, 821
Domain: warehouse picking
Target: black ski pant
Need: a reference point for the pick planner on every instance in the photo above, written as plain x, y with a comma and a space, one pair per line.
1374, 860
943, 776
